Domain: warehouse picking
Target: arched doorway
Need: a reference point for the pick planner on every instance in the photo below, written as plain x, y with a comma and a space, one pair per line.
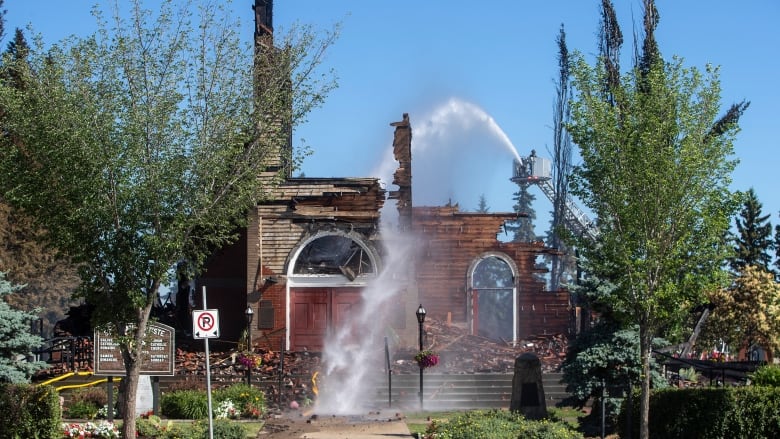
493, 300
326, 277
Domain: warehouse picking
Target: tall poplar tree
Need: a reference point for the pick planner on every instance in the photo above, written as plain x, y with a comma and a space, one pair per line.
563, 261
656, 167
142, 145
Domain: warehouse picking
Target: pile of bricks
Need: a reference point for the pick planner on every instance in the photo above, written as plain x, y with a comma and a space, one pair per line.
461, 352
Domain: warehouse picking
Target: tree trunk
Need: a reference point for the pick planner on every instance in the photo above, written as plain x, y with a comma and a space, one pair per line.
131, 388
645, 338
133, 369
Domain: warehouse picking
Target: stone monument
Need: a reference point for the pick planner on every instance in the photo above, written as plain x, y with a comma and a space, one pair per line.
527, 390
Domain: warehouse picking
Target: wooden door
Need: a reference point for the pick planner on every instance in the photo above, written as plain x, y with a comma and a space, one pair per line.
309, 318
316, 311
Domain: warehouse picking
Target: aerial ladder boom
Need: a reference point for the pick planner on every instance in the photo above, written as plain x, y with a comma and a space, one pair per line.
538, 171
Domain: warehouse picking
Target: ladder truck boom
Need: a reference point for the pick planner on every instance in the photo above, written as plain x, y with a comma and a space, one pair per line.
538, 171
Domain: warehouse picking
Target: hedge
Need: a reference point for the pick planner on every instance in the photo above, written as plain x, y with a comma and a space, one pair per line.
712, 413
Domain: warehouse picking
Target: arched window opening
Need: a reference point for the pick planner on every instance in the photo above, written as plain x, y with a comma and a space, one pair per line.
332, 255
492, 284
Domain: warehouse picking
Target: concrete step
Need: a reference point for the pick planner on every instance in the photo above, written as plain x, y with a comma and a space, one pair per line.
442, 391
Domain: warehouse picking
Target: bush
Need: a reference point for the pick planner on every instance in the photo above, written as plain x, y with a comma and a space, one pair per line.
81, 410
547, 430
184, 404
249, 401
714, 413
224, 429
86, 403
766, 376
35, 411
498, 424
152, 426
97, 396
189, 430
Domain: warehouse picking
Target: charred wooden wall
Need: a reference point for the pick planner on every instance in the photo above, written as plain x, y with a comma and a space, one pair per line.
450, 241
300, 208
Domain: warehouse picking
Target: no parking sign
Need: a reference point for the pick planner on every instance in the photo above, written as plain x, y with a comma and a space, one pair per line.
205, 323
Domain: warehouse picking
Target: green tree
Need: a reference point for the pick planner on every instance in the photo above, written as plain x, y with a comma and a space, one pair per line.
48, 278
753, 239
146, 144
606, 355
776, 245
522, 228
747, 312
16, 340
483, 207
656, 166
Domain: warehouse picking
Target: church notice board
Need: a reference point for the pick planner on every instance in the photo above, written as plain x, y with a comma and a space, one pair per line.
157, 353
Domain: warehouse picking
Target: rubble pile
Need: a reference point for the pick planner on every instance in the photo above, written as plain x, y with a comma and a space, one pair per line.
282, 386
462, 353
459, 353
291, 376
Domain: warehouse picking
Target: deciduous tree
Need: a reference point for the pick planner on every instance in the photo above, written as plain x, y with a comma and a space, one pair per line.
564, 261
747, 312
656, 166
142, 145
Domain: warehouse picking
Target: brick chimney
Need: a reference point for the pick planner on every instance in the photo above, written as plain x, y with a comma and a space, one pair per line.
270, 67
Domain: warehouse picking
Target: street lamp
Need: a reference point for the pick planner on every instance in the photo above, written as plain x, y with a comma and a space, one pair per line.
420, 320
249, 314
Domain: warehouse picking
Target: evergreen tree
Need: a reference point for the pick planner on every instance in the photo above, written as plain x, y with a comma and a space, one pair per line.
777, 249
753, 240
522, 228
16, 340
483, 206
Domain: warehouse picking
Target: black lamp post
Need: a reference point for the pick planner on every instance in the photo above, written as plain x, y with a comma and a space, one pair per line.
249, 315
420, 320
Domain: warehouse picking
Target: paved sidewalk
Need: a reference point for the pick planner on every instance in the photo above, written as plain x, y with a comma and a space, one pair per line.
374, 425
362, 430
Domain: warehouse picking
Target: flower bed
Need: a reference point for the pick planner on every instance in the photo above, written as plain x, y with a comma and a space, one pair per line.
102, 429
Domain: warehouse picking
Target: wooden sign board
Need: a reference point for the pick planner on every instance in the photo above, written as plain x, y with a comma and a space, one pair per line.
157, 353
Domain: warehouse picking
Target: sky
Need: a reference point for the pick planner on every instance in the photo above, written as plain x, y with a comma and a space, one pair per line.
477, 80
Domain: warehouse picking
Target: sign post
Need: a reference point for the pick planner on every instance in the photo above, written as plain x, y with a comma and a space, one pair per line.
205, 325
